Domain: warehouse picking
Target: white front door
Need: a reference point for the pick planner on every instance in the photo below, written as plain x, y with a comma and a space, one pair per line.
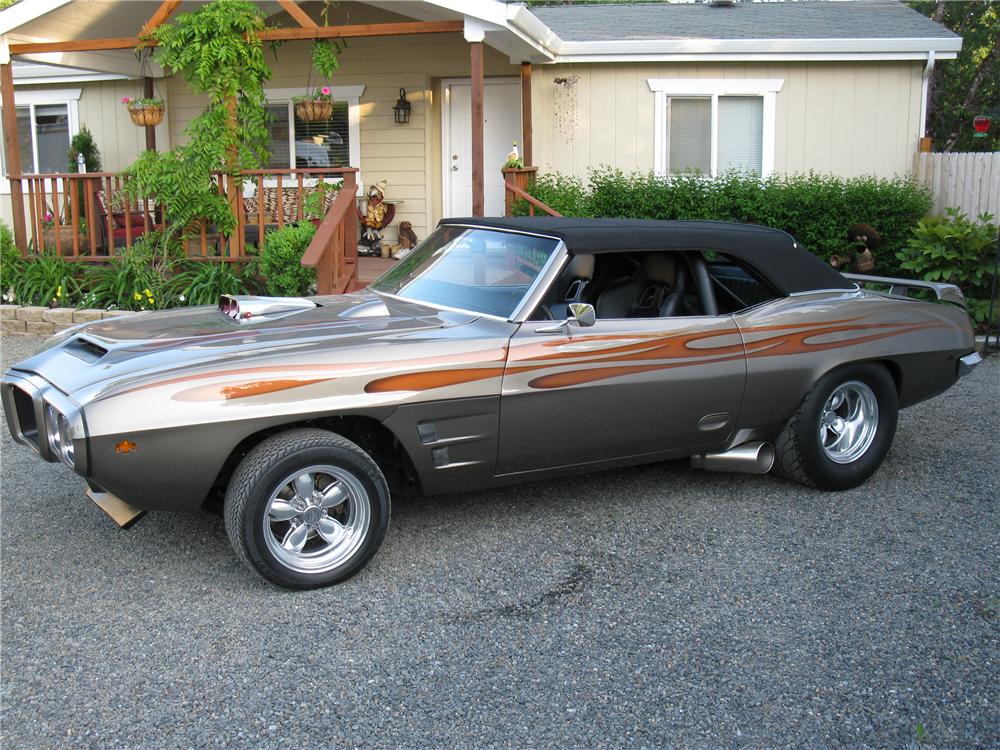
502, 128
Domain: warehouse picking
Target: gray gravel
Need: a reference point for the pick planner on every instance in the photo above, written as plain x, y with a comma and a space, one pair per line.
645, 607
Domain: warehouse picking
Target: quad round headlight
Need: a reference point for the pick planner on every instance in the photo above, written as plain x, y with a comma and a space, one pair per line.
52, 429
66, 440
59, 434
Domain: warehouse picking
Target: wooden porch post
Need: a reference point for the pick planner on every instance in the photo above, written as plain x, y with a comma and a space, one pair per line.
526, 114
478, 189
234, 187
147, 91
12, 153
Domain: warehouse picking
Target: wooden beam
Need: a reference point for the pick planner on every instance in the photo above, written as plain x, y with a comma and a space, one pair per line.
526, 154
366, 29
478, 189
147, 92
161, 16
268, 35
292, 9
12, 152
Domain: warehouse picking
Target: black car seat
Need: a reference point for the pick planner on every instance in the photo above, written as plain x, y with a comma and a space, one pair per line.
573, 282
643, 294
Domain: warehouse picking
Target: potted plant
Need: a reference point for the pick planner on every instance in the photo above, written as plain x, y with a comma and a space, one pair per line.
145, 112
315, 106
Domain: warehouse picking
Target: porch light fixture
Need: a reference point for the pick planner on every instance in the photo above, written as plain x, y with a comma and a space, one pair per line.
982, 126
401, 112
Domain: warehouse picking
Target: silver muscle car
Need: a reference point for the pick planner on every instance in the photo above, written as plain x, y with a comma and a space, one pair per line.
500, 350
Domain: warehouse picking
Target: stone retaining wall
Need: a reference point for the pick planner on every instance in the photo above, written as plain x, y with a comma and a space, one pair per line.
44, 321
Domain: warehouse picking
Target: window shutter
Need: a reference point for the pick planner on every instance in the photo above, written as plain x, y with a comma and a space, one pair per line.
690, 135
741, 133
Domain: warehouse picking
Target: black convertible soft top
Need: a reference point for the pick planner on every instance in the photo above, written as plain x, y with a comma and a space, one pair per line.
774, 254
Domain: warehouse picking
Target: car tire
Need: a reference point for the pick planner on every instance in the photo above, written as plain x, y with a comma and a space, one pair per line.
842, 430
306, 508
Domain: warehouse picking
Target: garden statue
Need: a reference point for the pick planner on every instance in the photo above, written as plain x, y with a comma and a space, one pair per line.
407, 240
377, 216
862, 239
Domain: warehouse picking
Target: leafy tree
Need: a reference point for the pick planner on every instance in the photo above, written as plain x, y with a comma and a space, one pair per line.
970, 85
218, 51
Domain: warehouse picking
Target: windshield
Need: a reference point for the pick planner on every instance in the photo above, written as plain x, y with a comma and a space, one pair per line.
471, 269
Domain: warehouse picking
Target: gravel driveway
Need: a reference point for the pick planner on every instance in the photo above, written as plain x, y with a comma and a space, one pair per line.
655, 607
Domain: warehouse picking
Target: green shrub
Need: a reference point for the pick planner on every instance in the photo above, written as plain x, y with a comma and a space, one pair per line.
816, 209
280, 260
565, 193
47, 279
138, 279
10, 259
958, 251
83, 143
202, 283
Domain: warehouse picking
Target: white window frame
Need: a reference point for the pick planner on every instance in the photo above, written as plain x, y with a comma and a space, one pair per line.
712, 88
39, 98
350, 94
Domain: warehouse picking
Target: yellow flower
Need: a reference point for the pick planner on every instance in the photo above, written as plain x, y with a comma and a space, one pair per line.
137, 296
148, 293
59, 291
151, 300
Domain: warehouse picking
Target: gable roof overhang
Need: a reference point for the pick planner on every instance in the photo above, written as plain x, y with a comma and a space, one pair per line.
563, 34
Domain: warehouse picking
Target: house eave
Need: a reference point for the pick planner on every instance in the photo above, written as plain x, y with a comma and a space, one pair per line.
909, 48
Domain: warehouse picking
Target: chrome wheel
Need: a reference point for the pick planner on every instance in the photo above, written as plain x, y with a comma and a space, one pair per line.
317, 519
848, 422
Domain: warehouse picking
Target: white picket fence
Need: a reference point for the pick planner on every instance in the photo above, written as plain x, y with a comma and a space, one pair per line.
970, 182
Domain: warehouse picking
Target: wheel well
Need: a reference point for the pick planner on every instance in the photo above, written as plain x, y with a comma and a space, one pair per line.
894, 371
373, 437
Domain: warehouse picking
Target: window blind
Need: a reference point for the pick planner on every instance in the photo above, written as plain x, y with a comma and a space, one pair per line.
741, 133
690, 135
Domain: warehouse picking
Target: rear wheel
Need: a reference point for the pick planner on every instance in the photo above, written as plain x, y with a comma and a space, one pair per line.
842, 431
306, 508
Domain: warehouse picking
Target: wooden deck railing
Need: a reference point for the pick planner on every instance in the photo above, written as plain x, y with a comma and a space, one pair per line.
88, 217
333, 251
515, 182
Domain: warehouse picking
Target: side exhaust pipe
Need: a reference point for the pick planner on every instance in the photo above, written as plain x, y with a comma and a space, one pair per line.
748, 458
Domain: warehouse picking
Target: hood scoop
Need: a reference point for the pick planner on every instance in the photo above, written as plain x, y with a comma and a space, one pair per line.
250, 309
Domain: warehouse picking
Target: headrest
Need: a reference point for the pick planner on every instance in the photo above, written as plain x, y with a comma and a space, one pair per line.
659, 268
580, 267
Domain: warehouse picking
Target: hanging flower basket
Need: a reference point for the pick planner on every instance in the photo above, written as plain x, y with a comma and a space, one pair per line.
311, 111
316, 106
145, 112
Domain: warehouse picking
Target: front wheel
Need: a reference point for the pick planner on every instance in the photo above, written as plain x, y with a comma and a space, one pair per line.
842, 431
306, 508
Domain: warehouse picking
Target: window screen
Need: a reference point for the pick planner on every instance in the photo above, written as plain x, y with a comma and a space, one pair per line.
690, 135
741, 133
52, 133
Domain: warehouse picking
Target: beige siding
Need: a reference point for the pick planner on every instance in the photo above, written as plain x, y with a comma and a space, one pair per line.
844, 118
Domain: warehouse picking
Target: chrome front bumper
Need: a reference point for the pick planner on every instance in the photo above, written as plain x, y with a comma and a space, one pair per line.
968, 363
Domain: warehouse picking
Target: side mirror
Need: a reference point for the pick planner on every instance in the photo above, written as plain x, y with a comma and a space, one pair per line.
581, 315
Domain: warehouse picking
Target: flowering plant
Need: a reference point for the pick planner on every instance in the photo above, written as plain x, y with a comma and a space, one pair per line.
141, 102
318, 95
48, 219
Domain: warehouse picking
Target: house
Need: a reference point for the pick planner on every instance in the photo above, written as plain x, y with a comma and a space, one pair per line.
837, 87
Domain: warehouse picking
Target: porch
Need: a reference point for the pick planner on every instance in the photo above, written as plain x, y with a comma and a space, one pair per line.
87, 217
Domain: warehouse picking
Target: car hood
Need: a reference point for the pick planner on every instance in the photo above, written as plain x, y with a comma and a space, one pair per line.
103, 356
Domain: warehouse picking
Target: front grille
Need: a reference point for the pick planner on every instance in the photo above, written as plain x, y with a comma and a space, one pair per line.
25, 410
